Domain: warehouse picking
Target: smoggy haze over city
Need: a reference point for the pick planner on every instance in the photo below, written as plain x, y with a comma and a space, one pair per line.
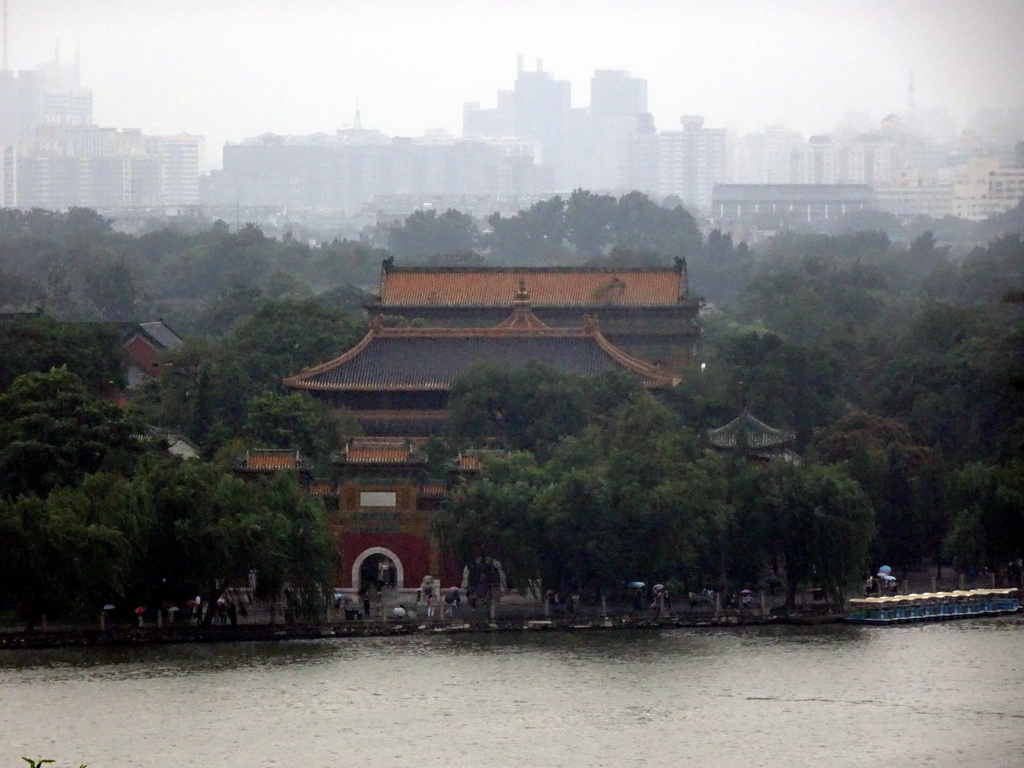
237, 68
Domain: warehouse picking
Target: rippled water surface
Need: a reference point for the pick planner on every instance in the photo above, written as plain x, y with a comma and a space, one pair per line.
929, 695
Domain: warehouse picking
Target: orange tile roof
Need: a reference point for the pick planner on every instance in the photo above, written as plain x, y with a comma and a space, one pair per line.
322, 489
432, 489
469, 462
369, 451
271, 459
547, 287
472, 460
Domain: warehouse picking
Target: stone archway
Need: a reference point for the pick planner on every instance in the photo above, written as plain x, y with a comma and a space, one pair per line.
357, 565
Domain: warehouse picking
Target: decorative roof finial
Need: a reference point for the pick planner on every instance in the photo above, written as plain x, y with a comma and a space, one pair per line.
522, 295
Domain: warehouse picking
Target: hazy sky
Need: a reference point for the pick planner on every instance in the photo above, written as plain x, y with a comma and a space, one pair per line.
228, 69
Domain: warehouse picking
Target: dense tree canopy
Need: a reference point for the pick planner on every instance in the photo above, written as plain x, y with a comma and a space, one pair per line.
53, 433
893, 353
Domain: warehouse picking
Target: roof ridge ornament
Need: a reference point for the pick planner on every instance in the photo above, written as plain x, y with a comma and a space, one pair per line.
522, 298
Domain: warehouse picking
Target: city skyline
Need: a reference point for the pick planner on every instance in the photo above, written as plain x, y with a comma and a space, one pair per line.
243, 69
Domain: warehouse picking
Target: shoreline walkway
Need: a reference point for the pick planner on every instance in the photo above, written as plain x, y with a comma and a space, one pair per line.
120, 635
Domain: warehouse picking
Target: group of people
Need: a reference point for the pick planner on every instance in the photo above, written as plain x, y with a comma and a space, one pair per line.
428, 596
224, 611
557, 603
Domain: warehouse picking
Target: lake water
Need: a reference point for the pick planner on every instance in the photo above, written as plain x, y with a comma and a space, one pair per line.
889, 697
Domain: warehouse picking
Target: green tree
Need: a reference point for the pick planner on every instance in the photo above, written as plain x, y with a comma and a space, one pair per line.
93, 352
211, 529
901, 479
534, 236
988, 528
589, 223
820, 524
54, 433
111, 290
525, 408
426, 233
292, 421
72, 552
493, 516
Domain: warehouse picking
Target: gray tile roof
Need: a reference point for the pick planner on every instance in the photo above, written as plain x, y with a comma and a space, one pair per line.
434, 363
161, 334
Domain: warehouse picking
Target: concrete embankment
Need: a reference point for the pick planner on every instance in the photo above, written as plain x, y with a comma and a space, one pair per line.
190, 633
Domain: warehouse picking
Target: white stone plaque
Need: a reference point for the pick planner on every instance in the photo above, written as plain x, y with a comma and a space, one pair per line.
378, 499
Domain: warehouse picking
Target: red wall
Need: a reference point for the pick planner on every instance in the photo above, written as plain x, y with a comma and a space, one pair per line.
144, 356
413, 551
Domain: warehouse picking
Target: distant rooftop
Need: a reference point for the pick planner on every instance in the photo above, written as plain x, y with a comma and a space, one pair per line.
547, 286
791, 193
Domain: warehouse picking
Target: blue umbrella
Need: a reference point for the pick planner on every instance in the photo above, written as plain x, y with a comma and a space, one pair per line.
637, 584
885, 569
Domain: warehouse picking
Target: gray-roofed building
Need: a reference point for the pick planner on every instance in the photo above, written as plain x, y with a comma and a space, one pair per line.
808, 202
396, 380
144, 343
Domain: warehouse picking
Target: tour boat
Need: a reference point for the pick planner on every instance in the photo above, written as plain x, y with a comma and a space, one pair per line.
934, 606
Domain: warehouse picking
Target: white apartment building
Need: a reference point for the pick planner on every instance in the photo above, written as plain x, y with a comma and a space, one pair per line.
182, 162
8, 177
819, 161
765, 158
1005, 188
869, 161
100, 167
934, 200
691, 162
983, 188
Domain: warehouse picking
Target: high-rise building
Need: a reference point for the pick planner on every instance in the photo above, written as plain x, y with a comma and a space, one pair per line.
539, 109
691, 162
983, 187
182, 162
817, 162
89, 166
766, 157
8, 177
50, 94
614, 92
618, 115
322, 171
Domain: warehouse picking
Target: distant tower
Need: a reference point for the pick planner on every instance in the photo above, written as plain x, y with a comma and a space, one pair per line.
911, 96
359, 120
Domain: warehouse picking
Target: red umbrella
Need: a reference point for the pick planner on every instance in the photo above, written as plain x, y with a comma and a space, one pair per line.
140, 610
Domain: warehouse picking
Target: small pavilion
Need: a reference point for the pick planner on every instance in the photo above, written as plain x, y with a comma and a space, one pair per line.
755, 439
